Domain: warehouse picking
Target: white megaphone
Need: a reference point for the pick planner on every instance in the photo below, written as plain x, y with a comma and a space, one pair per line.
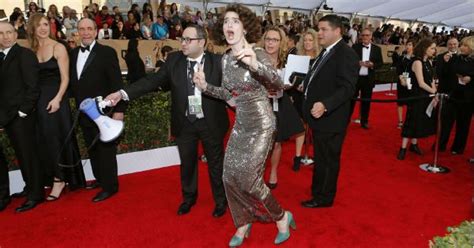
109, 128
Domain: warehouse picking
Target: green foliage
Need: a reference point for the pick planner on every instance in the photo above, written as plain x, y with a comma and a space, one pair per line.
147, 122
457, 237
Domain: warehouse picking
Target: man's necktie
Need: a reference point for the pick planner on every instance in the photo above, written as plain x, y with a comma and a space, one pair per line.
190, 86
83, 49
2, 58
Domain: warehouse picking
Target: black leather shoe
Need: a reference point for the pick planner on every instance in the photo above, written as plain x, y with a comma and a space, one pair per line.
4, 203
19, 194
29, 204
415, 149
219, 210
314, 204
297, 163
364, 126
401, 154
92, 185
103, 195
185, 208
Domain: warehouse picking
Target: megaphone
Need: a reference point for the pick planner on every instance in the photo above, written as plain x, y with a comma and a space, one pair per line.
109, 128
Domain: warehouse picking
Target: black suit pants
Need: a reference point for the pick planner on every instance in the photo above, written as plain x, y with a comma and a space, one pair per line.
4, 179
461, 113
327, 156
365, 87
187, 141
22, 135
103, 158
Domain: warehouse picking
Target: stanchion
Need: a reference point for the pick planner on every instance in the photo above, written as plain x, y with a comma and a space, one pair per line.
435, 167
307, 160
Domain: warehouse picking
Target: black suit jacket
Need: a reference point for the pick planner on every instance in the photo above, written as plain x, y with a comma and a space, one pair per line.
334, 85
446, 74
19, 89
100, 76
173, 76
375, 57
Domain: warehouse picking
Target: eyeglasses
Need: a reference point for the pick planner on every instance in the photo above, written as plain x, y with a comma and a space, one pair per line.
188, 40
274, 40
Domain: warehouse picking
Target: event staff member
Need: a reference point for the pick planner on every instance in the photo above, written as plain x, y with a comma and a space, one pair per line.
95, 72
328, 89
19, 93
194, 117
370, 58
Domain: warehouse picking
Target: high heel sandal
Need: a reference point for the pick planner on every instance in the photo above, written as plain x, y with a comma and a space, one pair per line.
237, 241
53, 197
282, 237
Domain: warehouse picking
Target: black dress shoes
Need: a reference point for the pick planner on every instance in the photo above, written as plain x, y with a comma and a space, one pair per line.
103, 195
364, 126
219, 210
415, 149
314, 204
92, 185
19, 194
185, 208
4, 203
29, 204
401, 154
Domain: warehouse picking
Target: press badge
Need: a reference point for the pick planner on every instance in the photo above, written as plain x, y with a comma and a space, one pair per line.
195, 105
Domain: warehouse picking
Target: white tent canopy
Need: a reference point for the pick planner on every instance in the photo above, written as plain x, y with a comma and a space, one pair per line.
459, 13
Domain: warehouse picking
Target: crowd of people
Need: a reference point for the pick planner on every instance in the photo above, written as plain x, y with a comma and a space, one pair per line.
35, 109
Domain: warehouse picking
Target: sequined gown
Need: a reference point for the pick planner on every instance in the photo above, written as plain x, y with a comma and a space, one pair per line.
251, 139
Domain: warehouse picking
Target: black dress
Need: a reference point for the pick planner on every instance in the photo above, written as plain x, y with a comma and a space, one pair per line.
288, 120
417, 123
403, 65
53, 129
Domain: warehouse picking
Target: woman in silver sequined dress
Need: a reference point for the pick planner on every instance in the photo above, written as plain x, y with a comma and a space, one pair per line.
247, 74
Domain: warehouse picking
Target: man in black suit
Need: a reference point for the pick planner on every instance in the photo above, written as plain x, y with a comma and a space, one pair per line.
18, 95
95, 72
328, 89
448, 81
370, 58
188, 123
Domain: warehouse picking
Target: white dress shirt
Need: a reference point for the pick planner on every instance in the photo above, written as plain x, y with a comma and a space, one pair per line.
364, 71
82, 58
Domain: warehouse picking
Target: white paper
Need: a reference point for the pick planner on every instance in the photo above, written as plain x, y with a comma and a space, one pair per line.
295, 63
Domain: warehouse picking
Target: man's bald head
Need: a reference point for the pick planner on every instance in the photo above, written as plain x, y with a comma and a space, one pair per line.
8, 35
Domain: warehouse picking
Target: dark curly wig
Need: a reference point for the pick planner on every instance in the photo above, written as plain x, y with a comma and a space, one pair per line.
249, 20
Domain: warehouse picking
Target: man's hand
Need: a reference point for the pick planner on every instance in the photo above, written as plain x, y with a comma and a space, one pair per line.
114, 98
118, 116
318, 110
199, 79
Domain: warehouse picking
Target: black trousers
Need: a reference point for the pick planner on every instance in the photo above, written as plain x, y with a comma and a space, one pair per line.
365, 87
187, 142
327, 156
22, 135
4, 179
461, 113
103, 158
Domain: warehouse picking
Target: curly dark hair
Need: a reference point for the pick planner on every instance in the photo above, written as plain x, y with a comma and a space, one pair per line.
249, 20
421, 47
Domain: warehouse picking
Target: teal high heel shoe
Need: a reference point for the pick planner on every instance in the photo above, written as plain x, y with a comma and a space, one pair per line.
237, 241
282, 237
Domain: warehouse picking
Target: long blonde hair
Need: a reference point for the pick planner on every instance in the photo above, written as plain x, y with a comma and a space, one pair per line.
283, 49
300, 44
33, 23
469, 42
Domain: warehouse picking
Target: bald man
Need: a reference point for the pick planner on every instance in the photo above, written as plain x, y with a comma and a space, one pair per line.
95, 72
19, 93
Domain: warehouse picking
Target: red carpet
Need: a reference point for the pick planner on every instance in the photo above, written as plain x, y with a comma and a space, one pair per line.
381, 202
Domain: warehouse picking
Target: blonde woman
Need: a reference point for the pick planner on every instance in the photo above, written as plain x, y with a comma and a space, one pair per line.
288, 121
307, 46
54, 115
